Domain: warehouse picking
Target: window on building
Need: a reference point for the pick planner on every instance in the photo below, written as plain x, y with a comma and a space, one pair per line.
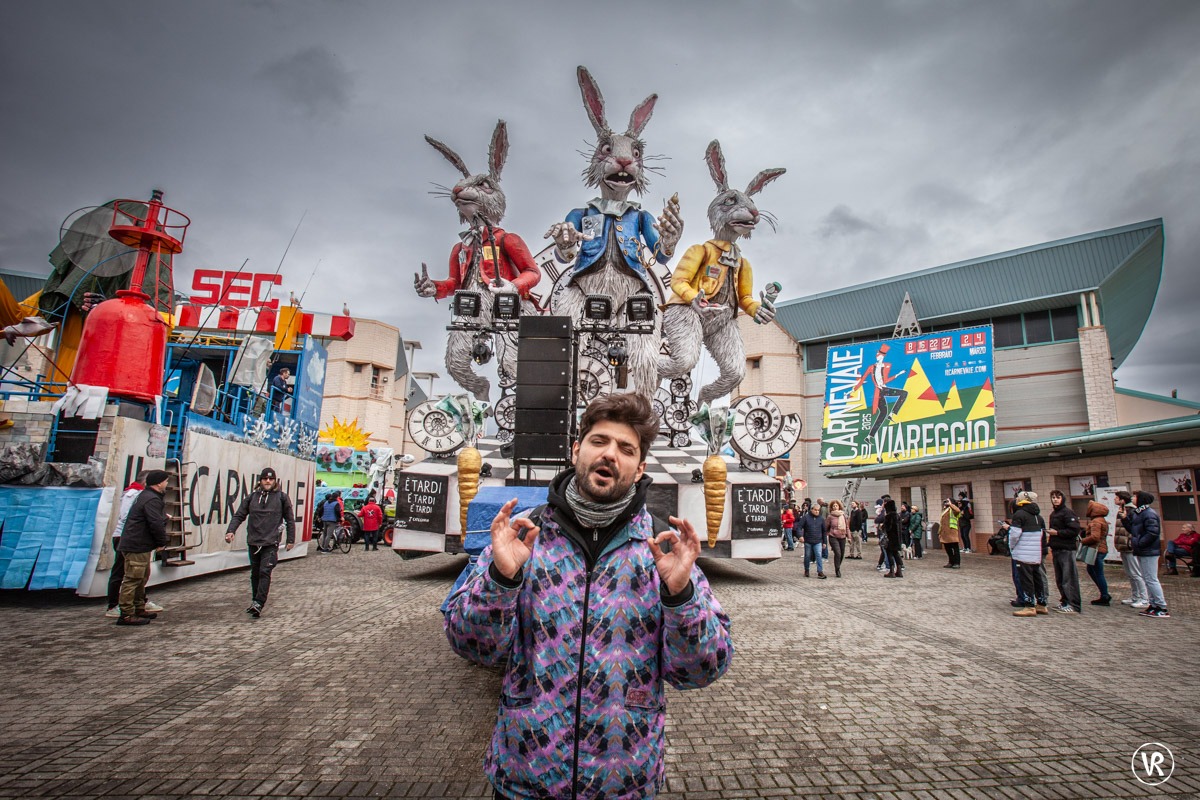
1177, 494
1006, 331
755, 363
1064, 322
1037, 327
815, 355
357, 368
1009, 491
1081, 491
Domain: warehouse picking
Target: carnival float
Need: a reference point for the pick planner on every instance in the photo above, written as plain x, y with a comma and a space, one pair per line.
599, 310
125, 381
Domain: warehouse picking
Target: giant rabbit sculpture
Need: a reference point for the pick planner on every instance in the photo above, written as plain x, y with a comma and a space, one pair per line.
712, 281
602, 242
473, 262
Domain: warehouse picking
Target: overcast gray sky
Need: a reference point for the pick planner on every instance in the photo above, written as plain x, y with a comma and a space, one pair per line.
914, 133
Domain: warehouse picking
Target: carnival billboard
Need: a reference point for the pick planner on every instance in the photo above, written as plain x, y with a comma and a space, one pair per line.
899, 400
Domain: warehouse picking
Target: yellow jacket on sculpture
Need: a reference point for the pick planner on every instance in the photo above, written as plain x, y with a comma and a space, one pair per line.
700, 268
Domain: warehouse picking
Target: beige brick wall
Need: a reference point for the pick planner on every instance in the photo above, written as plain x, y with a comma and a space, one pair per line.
1136, 470
773, 367
32, 421
348, 394
1098, 388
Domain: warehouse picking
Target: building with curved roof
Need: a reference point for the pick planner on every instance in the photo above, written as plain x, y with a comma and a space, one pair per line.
1064, 315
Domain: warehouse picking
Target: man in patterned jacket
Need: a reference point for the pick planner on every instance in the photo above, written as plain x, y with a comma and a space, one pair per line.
593, 613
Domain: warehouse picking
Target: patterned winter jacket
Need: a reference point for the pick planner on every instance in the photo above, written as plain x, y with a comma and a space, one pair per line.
582, 707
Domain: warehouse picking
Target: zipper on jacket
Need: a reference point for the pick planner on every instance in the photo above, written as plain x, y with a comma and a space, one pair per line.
587, 593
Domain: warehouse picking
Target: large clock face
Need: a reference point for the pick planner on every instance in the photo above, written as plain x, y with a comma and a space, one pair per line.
594, 379
760, 431
505, 412
678, 416
433, 429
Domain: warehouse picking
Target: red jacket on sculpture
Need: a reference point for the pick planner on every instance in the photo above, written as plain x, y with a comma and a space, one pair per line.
516, 264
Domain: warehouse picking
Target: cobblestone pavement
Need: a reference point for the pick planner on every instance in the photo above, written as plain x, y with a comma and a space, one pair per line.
861, 687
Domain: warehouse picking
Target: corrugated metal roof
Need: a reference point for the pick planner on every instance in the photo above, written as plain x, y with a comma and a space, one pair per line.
1121, 262
22, 284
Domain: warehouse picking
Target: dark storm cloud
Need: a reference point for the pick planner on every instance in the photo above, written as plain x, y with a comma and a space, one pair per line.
841, 221
914, 133
313, 79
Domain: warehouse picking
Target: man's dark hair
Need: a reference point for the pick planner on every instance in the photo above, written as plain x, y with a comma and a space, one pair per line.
627, 409
1058, 492
1124, 495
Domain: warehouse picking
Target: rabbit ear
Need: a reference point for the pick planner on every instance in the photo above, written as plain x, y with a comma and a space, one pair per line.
762, 179
450, 155
498, 152
641, 115
716, 165
593, 101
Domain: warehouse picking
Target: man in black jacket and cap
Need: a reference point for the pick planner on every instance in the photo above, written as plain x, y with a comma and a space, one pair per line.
268, 509
145, 531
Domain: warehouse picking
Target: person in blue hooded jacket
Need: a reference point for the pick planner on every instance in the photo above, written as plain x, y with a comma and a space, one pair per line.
1145, 529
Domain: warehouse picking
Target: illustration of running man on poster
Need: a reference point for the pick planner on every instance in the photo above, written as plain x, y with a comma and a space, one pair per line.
907, 398
881, 375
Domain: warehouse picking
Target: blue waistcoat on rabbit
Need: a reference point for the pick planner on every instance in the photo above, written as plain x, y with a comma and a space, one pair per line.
631, 227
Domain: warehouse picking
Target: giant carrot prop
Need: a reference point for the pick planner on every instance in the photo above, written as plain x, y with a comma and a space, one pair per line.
714, 425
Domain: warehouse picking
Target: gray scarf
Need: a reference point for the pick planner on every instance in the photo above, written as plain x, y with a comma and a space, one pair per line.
595, 515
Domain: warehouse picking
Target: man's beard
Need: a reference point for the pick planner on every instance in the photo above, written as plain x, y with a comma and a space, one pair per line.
616, 489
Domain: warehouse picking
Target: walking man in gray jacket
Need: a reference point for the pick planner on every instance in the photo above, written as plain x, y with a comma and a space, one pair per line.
268, 509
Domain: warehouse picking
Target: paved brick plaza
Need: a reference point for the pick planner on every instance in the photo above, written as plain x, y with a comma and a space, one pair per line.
920, 688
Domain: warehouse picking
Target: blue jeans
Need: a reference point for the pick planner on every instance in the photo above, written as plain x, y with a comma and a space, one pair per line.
1149, 565
1174, 550
1096, 573
812, 552
787, 538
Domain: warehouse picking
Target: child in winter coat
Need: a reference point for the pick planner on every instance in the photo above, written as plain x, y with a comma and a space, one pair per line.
1096, 535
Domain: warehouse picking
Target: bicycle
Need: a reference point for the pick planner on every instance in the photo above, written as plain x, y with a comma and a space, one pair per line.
343, 539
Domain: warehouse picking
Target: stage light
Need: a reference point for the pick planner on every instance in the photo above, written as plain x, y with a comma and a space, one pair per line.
481, 350
640, 308
597, 307
617, 355
506, 305
466, 304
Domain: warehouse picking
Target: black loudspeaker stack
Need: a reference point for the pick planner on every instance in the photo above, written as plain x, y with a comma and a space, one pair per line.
545, 402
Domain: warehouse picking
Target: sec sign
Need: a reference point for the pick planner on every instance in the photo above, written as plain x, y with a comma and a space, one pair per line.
214, 287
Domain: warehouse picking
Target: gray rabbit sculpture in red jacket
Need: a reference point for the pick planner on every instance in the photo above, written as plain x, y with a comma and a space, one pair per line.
487, 260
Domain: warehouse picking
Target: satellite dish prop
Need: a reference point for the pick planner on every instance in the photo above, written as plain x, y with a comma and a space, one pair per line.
86, 240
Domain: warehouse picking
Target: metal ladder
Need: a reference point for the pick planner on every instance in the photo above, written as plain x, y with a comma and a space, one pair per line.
175, 553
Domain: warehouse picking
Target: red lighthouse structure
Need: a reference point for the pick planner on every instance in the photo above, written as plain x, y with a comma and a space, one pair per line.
124, 340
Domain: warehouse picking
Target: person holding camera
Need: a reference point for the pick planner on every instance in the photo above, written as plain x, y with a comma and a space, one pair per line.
1025, 532
1123, 540
1064, 541
1145, 532
948, 533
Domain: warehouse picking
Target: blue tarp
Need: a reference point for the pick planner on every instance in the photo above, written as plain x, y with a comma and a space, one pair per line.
45, 535
482, 511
